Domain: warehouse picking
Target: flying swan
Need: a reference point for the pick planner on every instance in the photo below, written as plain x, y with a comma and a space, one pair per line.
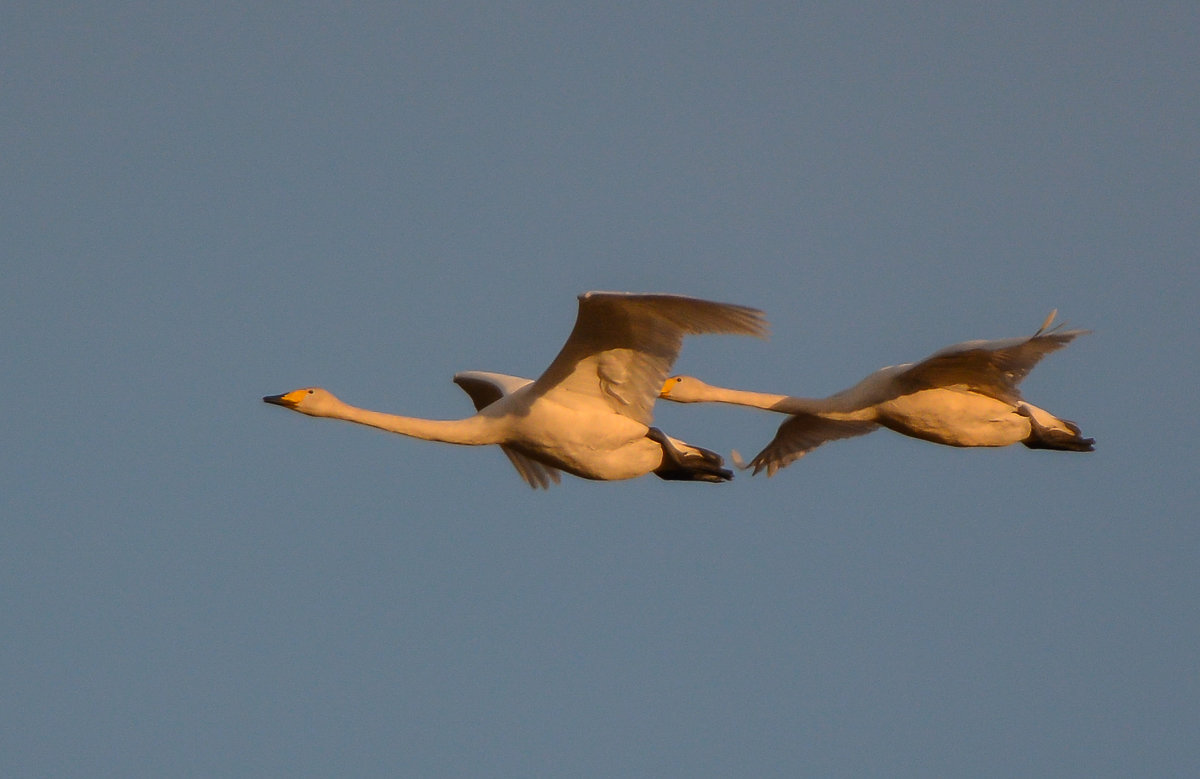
963, 395
590, 413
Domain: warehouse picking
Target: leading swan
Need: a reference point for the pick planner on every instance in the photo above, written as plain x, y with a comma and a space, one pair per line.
963, 395
590, 413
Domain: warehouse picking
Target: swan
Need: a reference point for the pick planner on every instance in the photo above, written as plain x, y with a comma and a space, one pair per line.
590, 413
963, 395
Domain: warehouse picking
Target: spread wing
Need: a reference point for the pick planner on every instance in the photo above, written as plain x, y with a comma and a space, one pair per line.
623, 346
799, 435
485, 389
993, 368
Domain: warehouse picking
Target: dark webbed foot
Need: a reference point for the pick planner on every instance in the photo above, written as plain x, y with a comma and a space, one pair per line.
686, 466
1042, 437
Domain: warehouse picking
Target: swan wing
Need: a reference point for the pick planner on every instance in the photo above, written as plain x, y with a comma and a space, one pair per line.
534, 473
994, 368
623, 345
486, 388
802, 433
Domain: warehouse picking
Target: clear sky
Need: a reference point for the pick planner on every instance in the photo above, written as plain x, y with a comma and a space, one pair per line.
204, 204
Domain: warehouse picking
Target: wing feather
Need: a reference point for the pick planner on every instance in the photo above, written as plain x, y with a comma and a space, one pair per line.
994, 368
536, 474
485, 388
623, 345
799, 435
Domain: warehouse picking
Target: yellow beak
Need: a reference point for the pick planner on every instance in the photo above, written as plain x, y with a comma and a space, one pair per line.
287, 400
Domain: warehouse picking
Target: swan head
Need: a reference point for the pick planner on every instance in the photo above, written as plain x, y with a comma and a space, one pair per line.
314, 401
684, 389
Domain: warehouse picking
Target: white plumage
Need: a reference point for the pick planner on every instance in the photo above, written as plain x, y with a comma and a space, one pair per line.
963, 395
590, 412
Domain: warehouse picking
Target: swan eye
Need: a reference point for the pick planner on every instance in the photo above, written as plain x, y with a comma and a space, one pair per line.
310, 392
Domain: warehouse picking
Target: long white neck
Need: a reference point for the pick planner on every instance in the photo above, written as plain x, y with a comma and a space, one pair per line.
472, 431
782, 403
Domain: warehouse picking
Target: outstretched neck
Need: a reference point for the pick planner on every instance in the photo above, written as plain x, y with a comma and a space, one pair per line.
475, 430
764, 400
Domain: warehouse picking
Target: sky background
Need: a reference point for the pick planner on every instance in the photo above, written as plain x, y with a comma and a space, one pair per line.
204, 204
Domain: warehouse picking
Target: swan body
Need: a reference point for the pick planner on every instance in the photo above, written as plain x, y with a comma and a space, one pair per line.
590, 412
486, 388
963, 395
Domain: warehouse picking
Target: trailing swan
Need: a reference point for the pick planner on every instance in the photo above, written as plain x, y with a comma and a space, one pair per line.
963, 395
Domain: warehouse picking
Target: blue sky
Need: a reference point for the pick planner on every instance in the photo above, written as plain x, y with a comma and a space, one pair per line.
206, 204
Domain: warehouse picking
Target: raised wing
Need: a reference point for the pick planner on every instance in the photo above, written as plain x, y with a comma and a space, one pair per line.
623, 346
485, 389
994, 368
799, 435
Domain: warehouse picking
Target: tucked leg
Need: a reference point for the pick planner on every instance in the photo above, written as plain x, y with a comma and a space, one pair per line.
1068, 438
686, 466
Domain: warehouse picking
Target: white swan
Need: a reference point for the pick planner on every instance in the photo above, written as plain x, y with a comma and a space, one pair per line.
963, 395
589, 414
